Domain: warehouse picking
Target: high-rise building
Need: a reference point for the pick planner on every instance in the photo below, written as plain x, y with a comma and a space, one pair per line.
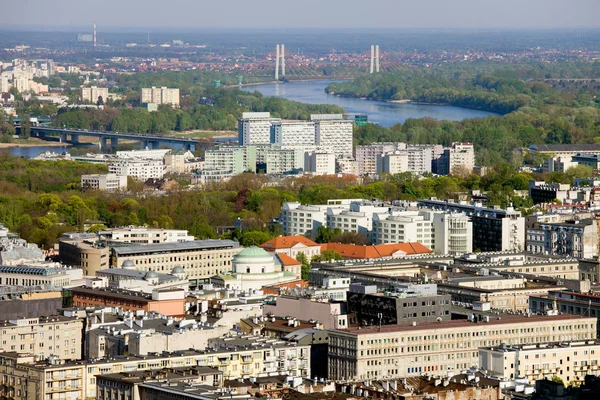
459, 158
293, 133
333, 131
255, 128
161, 95
319, 163
92, 94
233, 159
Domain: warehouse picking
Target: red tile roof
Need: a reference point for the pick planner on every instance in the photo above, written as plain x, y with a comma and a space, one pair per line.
274, 289
376, 251
287, 260
286, 242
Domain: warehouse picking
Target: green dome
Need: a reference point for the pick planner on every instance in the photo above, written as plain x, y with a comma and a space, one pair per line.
252, 252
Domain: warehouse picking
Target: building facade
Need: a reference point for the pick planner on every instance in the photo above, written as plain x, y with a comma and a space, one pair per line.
93, 94
108, 182
161, 95
255, 128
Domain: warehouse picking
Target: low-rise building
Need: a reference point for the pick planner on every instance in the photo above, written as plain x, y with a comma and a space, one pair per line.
569, 361
108, 182
292, 246
145, 235
332, 313
140, 169
45, 275
46, 336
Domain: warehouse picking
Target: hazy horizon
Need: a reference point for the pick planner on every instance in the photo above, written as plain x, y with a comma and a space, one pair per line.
194, 15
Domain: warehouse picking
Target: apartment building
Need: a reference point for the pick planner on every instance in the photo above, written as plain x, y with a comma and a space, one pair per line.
319, 163
458, 158
255, 128
578, 239
414, 159
278, 160
494, 229
145, 235
332, 314
298, 220
567, 302
358, 218
570, 361
453, 233
161, 95
403, 226
346, 166
200, 259
47, 336
235, 357
366, 155
139, 169
440, 347
335, 132
231, 159
105, 182
93, 94
293, 133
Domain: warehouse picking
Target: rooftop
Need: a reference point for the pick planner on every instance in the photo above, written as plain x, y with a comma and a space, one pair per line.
375, 251
286, 242
183, 246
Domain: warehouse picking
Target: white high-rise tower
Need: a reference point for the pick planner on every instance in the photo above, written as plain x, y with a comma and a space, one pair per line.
377, 58
279, 55
277, 62
372, 58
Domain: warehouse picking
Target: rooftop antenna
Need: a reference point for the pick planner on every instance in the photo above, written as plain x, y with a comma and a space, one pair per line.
94, 33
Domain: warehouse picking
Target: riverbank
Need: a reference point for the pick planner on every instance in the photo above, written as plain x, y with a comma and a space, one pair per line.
34, 143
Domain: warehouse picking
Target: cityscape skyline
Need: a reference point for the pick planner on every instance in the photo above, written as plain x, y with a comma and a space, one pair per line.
436, 14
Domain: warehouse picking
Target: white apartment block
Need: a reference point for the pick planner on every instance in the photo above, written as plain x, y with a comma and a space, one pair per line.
108, 182
358, 218
400, 351
255, 128
279, 161
210, 176
92, 94
392, 163
335, 133
232, 159
346, 166
139, 169
145, 235
298, 220
453, 233
460, 156
569, 361
293, 133
366, 155
161, 95
148, 154
403, 226
319, 163
44, 336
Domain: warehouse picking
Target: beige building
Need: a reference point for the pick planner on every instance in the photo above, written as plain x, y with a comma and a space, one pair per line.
109, 182
570, 361
81, 250
160, 95
145, 235
330, 314
441, 347
47, 275
235, 357
200, 259
92, 94
56, 336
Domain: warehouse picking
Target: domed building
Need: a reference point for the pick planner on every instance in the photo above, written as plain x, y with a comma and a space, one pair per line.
253, 268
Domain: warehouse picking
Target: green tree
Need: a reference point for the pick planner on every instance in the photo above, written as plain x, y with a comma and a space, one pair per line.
301, 257
327, 255
254, 238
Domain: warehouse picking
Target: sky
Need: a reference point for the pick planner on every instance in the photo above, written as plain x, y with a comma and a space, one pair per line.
282, 14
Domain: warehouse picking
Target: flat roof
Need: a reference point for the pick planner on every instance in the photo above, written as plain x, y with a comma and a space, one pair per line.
449, 324
163, 247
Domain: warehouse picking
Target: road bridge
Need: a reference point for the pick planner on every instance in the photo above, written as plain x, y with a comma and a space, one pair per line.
150, 141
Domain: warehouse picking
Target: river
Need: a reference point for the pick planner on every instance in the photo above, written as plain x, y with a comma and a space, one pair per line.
381, 112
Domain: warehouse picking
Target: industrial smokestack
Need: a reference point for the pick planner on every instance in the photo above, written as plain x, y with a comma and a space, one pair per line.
372, 58
277, 62
377, 58
283, 60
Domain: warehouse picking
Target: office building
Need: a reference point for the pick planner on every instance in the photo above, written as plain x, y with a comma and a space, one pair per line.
82, 250
441, 347
566, 360
255, 128
93, 94
319, 163
566, 302
200, 259
160, 95
405, 304
105, 182
141, 281
335, 132
47, 275
139, 169
56, 336
331, 313
565, 150
298, 220
210, 176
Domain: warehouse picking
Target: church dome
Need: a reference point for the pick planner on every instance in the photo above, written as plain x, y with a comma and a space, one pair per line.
128, 264
253, 252
253, 260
